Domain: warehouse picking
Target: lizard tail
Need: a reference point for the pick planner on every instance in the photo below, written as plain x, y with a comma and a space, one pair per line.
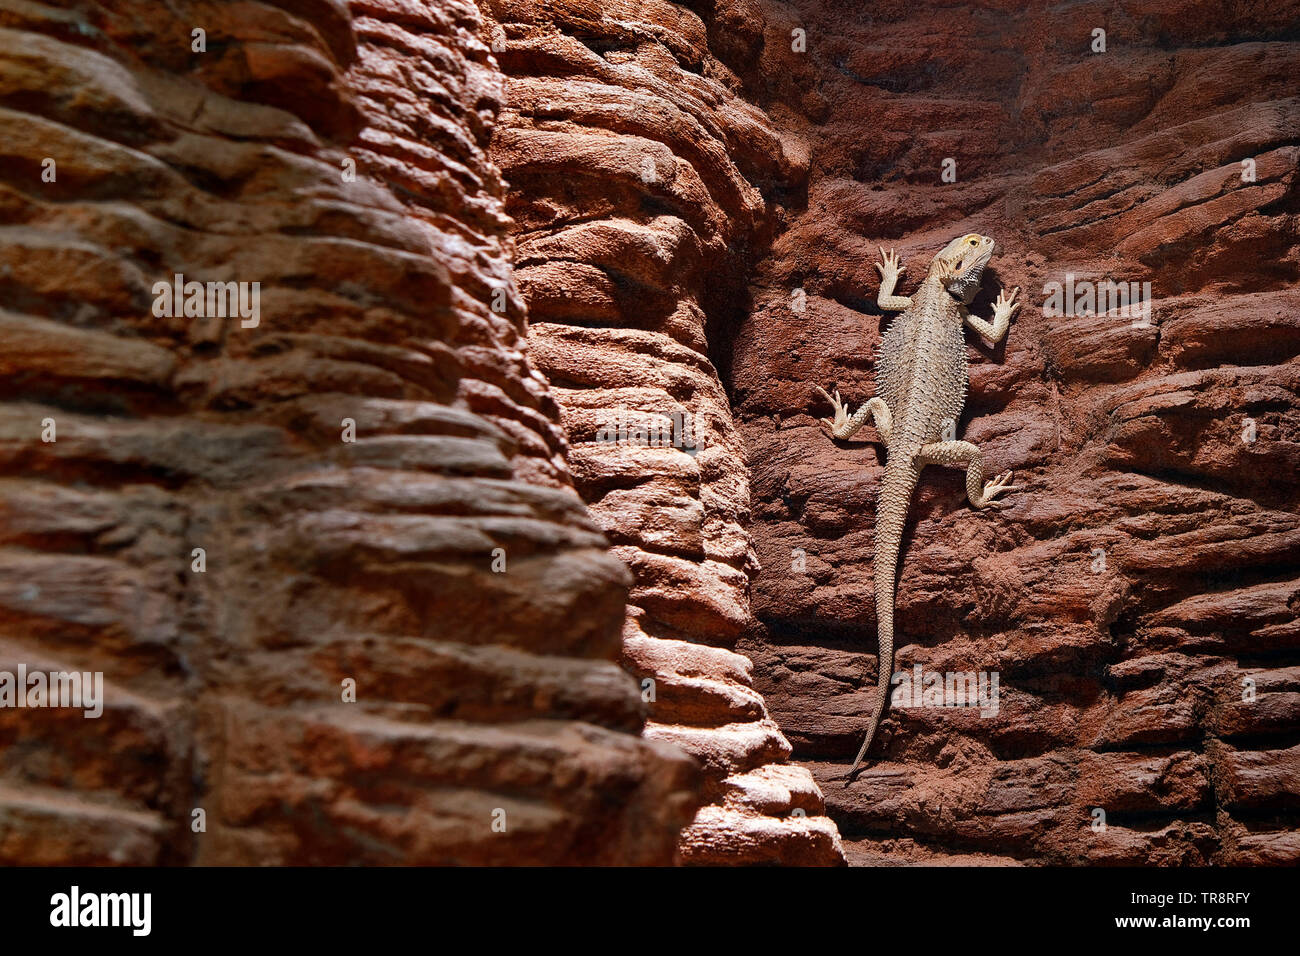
891, 513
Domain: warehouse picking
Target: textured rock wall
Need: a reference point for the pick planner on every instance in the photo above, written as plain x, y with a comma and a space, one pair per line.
477, 691
643, 178
694, 203
1122, 683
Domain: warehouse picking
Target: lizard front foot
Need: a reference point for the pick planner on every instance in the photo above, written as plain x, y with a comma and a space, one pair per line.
841, 413
997, 486
1007, 304
889, 269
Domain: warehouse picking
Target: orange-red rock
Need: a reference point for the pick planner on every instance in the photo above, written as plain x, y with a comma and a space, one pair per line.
337, 154
1123, 685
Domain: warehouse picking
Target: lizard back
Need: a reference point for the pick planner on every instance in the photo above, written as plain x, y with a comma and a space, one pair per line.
922, 368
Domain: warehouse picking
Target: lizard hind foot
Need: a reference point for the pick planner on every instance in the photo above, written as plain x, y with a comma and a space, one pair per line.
836, 425
997, 486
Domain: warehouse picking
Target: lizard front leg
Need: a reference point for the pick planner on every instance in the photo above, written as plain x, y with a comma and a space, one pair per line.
889, 271
1003, 309
962, 454
846, 425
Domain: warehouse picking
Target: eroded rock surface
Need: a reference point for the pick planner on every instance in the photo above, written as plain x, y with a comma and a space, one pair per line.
1139, 598
336, 154
643, 178
696, 193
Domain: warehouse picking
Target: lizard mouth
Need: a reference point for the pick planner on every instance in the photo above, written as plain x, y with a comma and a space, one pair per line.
970, 269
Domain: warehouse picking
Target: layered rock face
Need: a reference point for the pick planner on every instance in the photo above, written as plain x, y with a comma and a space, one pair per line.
1138, 598
357, 488
643, 178
365, 567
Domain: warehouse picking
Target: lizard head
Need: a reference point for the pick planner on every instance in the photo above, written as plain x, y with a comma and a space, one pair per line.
961, 264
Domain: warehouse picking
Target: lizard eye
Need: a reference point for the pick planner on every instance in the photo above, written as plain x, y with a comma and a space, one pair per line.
973, 241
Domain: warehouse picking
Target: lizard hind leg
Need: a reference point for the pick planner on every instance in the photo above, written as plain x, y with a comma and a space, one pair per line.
845, 425
962, 454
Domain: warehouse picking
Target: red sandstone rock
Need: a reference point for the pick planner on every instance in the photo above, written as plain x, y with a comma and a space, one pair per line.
482, 695
686, 233
638, 172
1122, 685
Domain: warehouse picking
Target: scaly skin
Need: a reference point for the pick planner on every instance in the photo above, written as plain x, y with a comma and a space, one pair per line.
920, 393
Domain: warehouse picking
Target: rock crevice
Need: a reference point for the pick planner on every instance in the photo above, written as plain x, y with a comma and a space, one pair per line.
641, 186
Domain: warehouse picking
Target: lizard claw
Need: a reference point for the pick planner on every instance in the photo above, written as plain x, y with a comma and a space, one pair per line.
1008, 303
841, 411
997, 486
890, 264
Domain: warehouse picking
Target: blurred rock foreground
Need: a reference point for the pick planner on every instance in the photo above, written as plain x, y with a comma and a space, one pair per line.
454, 607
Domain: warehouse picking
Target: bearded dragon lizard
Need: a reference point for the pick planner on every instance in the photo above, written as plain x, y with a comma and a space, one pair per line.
920, 392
